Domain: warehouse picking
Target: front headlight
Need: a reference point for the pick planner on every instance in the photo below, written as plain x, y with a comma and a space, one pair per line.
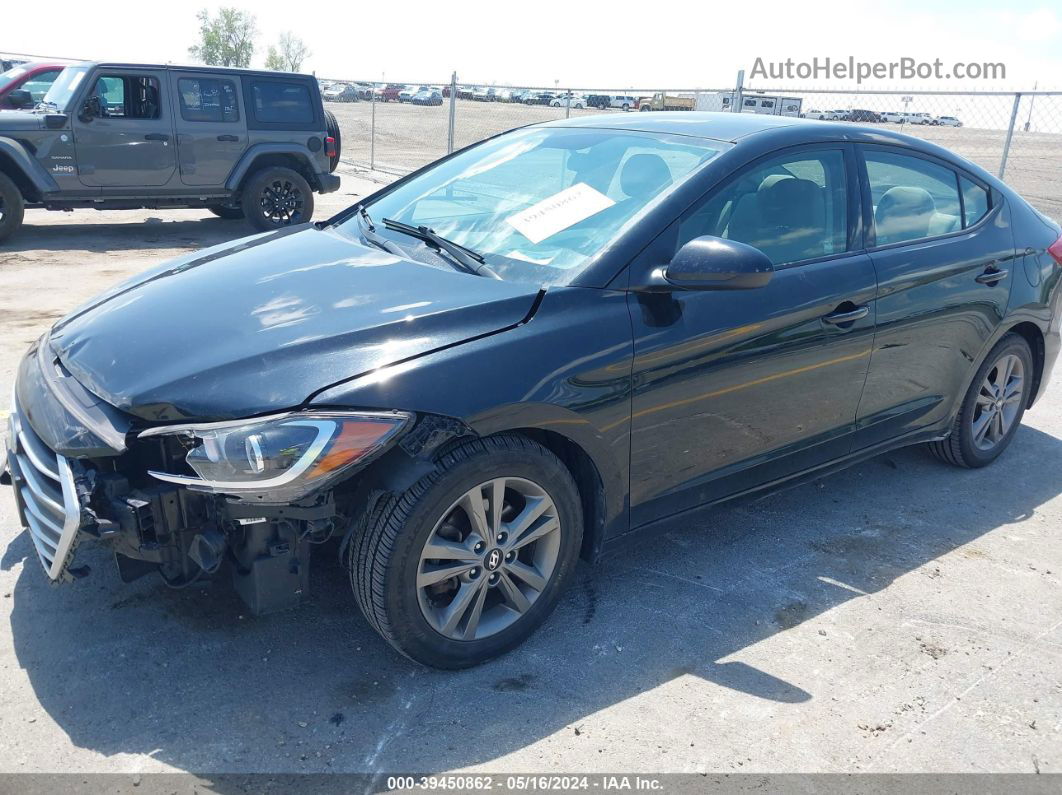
279, 458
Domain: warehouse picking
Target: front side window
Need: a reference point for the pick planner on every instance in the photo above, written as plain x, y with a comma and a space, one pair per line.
913, 198
128, 97
540, 203
792, 208
277, 102
208, 99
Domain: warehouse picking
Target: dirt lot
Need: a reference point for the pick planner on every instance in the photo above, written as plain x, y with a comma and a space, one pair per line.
900, 616
408, 136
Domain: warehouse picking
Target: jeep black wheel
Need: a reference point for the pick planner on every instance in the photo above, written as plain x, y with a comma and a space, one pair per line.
471, 559
332, 126
277, 197
228, 213
12, 208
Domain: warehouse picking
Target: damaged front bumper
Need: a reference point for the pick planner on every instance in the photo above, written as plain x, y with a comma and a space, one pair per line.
75, 480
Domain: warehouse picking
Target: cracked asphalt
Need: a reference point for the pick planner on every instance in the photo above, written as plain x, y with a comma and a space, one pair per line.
899, 616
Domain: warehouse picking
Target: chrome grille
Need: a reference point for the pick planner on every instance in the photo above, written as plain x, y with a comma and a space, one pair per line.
47, 497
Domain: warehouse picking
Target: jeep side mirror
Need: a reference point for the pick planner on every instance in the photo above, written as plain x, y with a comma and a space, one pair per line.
20, 98
713, 263
92, 109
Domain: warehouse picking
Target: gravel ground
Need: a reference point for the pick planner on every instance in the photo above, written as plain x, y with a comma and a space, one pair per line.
409, 136
899, 616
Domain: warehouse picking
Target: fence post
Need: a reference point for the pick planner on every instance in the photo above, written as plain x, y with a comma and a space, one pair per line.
453, 108
568, 104
738, 99
372, 130
1010, 134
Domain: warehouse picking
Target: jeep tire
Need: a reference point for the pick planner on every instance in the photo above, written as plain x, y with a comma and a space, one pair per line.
228, 213
12, 207
275, 197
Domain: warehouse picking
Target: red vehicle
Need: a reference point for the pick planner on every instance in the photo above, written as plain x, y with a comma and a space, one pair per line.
389, 92
24, 85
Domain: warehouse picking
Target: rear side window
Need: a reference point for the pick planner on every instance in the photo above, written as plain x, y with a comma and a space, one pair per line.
913, 198
974, 201
208, 99
792, 208
277, 102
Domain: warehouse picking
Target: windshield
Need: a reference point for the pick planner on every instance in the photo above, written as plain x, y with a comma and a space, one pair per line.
9, 77
62, 90
539, 203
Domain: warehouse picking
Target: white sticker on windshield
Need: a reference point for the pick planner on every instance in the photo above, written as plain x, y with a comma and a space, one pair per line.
559, 211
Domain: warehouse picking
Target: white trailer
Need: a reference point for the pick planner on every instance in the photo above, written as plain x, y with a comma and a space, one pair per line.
751, 102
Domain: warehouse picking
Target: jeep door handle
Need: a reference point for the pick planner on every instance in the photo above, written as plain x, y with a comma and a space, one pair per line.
156, 137
848, 316
992, 275
232, 138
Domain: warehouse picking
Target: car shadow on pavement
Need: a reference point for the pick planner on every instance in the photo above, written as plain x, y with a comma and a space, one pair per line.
193, 680
151, 233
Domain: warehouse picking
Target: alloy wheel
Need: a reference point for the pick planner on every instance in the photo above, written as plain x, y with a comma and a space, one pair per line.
489, 559
998, 402
282, 202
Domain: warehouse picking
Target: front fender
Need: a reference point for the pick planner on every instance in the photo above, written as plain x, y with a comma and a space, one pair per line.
20, 158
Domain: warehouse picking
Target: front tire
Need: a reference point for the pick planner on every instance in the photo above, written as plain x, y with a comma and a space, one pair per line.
469, 561
993, 406
12, 207
276, 197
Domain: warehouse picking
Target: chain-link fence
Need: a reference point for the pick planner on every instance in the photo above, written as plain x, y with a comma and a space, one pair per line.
398, 127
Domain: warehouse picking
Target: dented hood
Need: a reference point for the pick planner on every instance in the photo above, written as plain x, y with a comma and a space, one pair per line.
260, 324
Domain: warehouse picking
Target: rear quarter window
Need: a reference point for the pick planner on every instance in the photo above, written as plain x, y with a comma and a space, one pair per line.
281, 102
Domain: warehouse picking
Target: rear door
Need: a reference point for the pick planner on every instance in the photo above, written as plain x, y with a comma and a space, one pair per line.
943, 250
211, 130
131, 143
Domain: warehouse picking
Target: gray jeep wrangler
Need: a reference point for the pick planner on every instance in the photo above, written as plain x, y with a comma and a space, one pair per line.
108, 136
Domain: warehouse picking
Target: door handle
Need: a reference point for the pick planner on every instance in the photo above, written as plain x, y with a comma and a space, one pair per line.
847, 316
232, 138
156, 137
992, 275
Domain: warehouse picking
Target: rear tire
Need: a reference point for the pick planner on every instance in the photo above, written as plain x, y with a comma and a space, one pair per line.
396, 580
275, 197
12, 207
228, 213
332, 126
993, 407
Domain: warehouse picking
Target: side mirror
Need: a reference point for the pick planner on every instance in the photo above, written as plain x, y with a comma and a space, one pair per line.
20, 98
92, 109
712, 263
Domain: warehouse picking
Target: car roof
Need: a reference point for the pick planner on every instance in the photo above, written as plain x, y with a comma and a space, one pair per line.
700, 124
173, 67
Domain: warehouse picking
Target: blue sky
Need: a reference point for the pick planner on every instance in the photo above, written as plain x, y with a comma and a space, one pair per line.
620, 45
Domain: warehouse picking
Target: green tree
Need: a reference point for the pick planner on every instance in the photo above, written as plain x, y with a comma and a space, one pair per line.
288, 55
226, 39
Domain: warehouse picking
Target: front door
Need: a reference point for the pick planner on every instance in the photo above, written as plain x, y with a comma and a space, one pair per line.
944, 255
739, 388
211, 130
130, 142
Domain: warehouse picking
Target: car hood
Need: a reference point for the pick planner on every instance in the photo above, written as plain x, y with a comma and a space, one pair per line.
19, 120
260, 324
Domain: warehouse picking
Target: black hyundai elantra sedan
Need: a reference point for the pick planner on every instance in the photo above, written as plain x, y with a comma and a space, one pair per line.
516, 355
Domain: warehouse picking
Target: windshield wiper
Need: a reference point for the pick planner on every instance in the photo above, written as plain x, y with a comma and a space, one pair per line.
368, 231
468, 260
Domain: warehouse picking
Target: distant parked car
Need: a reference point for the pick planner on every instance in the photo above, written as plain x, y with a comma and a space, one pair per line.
24, 85
539, 98
921, 118
819, 115
893, 116
860, 115
503, 95
465, 92
562, 100
484, 95
389, 92
427, 96
340, 92
948, 121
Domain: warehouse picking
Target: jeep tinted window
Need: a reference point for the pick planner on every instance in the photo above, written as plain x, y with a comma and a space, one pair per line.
279, 102
207, 99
